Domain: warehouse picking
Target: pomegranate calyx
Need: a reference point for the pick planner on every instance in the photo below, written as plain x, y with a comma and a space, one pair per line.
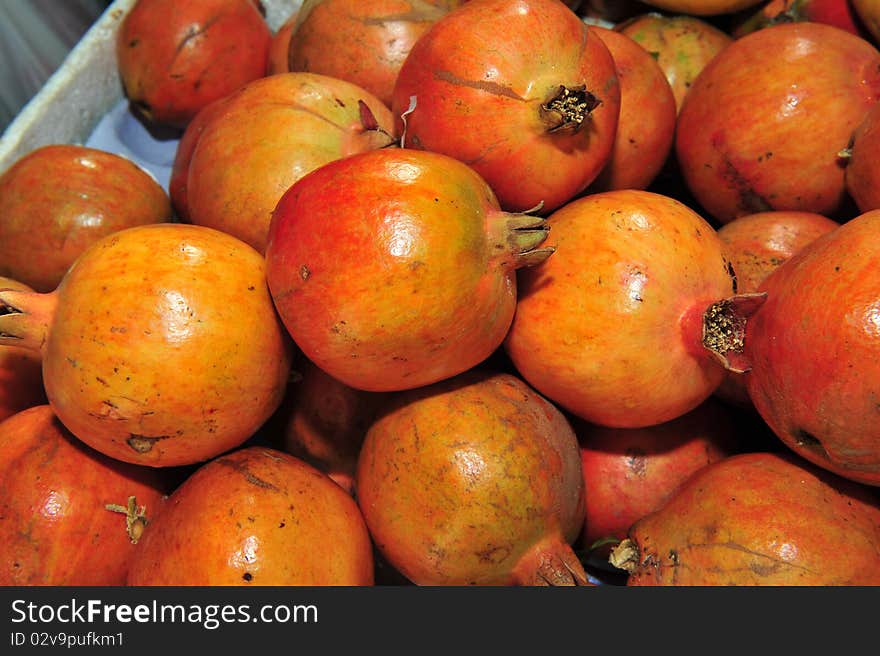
135, 518
724, 327
625, 556
569, 108
522, 235
374, 134
25, 317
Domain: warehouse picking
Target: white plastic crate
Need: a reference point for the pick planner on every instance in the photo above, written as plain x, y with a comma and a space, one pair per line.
83, 101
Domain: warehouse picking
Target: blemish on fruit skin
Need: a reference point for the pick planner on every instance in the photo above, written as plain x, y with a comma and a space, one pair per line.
304, 272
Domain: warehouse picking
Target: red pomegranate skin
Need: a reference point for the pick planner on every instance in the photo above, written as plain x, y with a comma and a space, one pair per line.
59, 199
631, 472
768, 519
323, 422
764, 124
21, 371
177, 57
396, 268
756, 244
256, 516
55, 527
479, 95
646, 124
815, 349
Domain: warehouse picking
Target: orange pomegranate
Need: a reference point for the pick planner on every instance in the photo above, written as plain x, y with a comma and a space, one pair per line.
59, 199
362, 42
475, 480
256, 516
769, 519
396, 268
270, 134
622, 326
646, 124
161, 345
21, 375
68, 514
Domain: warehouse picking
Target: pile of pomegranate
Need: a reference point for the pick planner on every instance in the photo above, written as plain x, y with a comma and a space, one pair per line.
456, 292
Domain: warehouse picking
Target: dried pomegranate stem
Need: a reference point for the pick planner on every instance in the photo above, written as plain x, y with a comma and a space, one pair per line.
625, 556
550, 563
25, 318
135, 518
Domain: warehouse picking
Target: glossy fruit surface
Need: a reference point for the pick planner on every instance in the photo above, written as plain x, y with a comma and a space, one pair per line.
258, 517
396, 268
161, 346
815, 350
68, 514
758, 519
764, 125
609, 327
59, 199
862, 172
270, 134
362, 42
631, 472
756, 244
475, 480
537, 121
646, 125
176, 57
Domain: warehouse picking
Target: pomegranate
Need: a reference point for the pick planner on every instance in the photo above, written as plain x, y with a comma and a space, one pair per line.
362, 42
186, 146
767, 519
764, 124
68, 514
269, 134
474, 480
536, 121
756, 244
59, 199
21, 374
176, 57
815, 350
868, 12
630, 472
646, 124
622, 325
256, 516
160, 346
323, 421
681, 45
839, 13
396, 268
862, 175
